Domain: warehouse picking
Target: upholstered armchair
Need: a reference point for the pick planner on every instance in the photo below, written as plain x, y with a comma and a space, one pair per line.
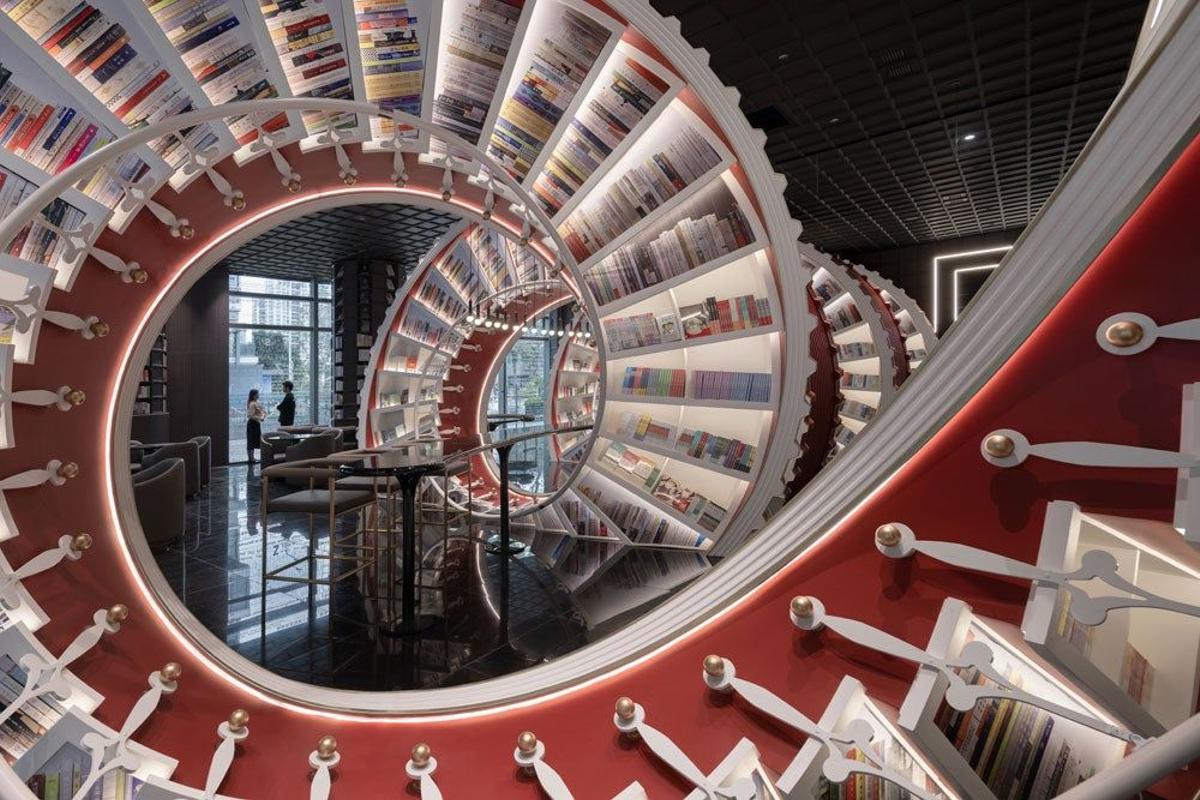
205, 445
159, 492
188, 451
273, 447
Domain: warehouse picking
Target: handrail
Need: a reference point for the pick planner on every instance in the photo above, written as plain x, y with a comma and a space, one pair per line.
1146, 765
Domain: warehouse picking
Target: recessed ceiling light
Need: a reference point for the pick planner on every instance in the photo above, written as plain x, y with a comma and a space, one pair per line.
970, 137
834, 120
784, 56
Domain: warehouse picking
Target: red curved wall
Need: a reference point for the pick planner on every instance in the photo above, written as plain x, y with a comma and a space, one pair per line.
1059, 385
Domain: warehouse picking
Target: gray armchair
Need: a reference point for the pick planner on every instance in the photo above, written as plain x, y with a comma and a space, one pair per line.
273, 447
188, 451
159, 492
320, 446
205, 445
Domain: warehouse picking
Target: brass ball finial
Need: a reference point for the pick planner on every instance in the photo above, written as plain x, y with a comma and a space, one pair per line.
327, 747
1124, 334
887, 535
238, 720
118, 614
446, 195
487, 214
68, 470
100, 329
626, 708
802, 606
76, 397
293, 185
81, 542
350, 179
714, 665
238, 202
421, 754
527, 743
170, 672
139, 275
186, 232
999, 446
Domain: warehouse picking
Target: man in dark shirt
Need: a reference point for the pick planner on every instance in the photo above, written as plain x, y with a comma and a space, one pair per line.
287, 406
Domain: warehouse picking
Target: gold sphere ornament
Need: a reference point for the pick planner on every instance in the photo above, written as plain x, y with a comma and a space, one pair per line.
81, 542
139, 275
446, 195
170, 672
100, 329
626, 709
1124, 334
887, 535
350, 179
76, 397
118, 613
238, 202
714, 665
293, 185
186, 232
68, 470
802, 606
527, 743
421, 754
327, 747
999, 446
238, 720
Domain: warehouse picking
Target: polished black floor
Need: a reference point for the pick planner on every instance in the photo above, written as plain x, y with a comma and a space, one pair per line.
325, 635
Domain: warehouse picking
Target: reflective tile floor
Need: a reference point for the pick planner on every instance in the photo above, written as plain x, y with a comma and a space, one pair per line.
320, 635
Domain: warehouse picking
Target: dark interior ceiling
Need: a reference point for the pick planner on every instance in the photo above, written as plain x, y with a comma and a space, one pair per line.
899, 122
305, 248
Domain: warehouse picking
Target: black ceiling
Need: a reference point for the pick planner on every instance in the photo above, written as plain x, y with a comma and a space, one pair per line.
906, 121
305, 248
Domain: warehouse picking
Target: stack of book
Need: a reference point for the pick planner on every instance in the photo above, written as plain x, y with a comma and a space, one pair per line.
852, 351
745, 387
643, 188
583, 521
571, 42
645, 428
1017, 749
524, 264
566, 390
390, 34
712, 227
862, 383
446, 305
64, 772
642, 524
825, 287
641, 472
434, 334
219, 51
35, 242
715, 316
843, 317
870, 787
313, 58
461, 270
859, 411
100, 53
654, 382
24, 728
727, 452
473, 58
641, 330
578, 414
491, 255
625, 97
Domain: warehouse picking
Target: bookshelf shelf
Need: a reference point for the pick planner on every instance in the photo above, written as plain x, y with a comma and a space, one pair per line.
700, 341
652, 501
895, 747
617, 397
1062, 751
1142, 663
741, 763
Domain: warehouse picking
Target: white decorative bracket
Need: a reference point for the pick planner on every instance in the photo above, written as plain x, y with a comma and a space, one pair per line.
530, 757
24, 309
474, 348
55, 473
64, 399
137, 194
808, 614
322, 760
89, 327
399, 170
420, 769
331, 136
111, 753
447, 180
720, 675
205, 162
1129, 333
895, 540
461, 367
630, 719
455, 431
83, 241
457, 388
42, 677
266, 143
69, 547
451, 411
231, 731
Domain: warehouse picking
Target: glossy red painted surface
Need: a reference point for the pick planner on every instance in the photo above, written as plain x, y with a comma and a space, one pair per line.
1059, 385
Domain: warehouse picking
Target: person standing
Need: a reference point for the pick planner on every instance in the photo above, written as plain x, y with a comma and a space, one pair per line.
287, 406
255, 414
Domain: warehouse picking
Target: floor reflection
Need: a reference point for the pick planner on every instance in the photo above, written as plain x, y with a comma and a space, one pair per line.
324, 635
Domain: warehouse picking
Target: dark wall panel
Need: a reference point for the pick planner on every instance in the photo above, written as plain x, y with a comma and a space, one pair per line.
198, 364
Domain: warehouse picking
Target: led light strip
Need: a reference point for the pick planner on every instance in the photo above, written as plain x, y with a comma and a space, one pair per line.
937, 260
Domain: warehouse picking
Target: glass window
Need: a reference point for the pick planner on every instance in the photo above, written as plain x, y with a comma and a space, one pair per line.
271, 312
276, 286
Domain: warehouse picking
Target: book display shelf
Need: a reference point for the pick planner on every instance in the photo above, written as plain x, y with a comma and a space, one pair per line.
1003, 746
892, 746
1143, 664
742, 762
919, 335
150, 406
571, 393
27, 286
362, 292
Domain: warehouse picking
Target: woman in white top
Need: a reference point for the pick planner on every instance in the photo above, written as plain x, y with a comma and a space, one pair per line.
255, 414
